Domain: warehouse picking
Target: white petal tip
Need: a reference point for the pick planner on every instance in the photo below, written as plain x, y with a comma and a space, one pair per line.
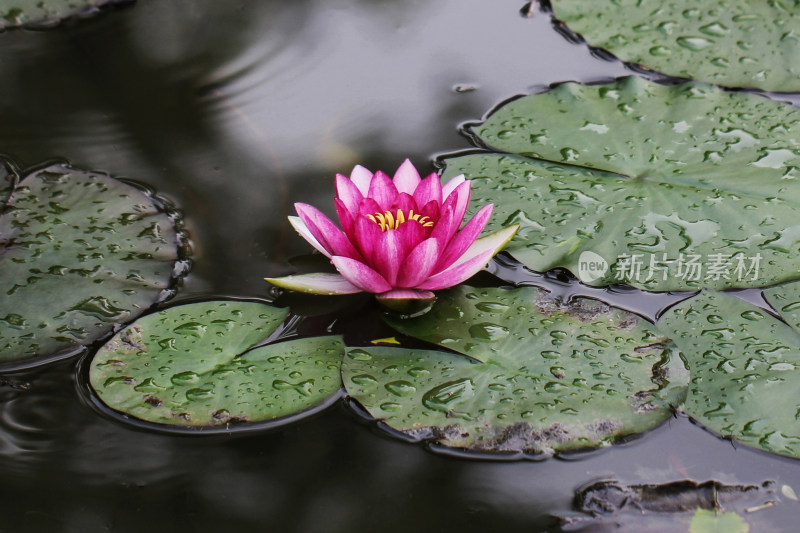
323, 284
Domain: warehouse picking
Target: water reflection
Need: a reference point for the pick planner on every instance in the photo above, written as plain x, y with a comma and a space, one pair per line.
236, 108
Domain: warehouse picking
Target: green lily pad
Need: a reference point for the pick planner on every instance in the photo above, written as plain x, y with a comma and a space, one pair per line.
785, 299
195, 365
38, 13
544, 377
670, 187
745, 368
7, 181
738, 43
80, 253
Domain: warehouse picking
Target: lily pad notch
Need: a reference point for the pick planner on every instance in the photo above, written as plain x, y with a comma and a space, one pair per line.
204, 367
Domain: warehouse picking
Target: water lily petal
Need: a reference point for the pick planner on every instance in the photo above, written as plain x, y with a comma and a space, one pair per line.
474, 259
406, 294
429, 189
360, 275
369, 207
389, 254
348, 193
419, 264
464, 238
462, 193
446, 226
493, 242
301, 228
411, 233
328, 284
326, 232
382, 190
406, 178
362, 178
405, 202
456, 274
367, 235
346, 220
451, 185
432, 210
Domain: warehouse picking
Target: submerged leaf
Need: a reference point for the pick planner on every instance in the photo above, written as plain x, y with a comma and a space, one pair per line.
745, 368
739, 43
546, 376
38, 13
80, 253
678, 506
194, 365
673, 187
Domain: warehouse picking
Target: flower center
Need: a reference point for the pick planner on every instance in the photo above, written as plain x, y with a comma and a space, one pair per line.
387, 220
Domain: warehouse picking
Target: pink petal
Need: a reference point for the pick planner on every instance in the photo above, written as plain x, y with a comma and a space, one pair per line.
406, 294
445, 227
451, 185
432, 210
361, 177
406, 178
301, 228
328, 284
429, 189
345, 218
493, 242
464, 238
456, 274
406, 202
472, 261
369, 207
360, 275
419, 264
326, 232
367, 235
382, 190
462, 194
348, 193
389, 255
411, 233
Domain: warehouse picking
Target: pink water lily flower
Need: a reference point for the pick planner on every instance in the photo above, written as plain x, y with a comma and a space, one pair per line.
399, 238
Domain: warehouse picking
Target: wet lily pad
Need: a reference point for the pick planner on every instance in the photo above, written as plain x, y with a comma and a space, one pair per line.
785, 299
738, 43
662, 187
194, 365
7, 181
80, 253
545, 376
745, 368
39, 13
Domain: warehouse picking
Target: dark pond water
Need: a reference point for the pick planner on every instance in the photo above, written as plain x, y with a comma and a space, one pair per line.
235, 110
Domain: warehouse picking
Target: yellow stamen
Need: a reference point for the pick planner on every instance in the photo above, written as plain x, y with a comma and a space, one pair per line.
388, 220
